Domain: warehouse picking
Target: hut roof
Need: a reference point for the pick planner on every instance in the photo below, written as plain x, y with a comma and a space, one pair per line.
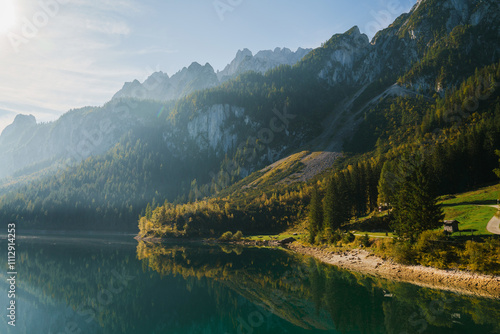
449, 222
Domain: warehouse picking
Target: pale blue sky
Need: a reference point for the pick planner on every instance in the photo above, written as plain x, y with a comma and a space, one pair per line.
73, 53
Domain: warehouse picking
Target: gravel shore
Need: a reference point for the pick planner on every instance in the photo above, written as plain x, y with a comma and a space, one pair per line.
366, 263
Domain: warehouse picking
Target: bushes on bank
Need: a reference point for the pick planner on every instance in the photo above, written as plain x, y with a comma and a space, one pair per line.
229, 236
333, 237
403, 252
348, 237
365, 241
482, 257
237, 236
436, 249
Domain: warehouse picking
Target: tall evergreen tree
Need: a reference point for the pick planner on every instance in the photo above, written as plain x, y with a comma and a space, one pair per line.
387, 182
343, 200
329, 222
315, 214
337, 203
149, 211
497, 170
370, 188
415, 205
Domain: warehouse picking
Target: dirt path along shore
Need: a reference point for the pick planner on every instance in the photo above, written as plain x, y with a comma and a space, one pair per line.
494, 224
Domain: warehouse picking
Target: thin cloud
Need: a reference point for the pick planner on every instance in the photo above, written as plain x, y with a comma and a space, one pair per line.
74, 82
110, 28
120, 6
88, 23
155, 50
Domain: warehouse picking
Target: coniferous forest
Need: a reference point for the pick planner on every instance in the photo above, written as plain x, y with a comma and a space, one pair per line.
435, 97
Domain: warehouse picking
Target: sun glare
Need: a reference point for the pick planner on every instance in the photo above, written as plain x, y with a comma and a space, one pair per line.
7, 15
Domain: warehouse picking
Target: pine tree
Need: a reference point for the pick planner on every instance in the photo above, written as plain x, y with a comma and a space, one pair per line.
358, 178
337, 203
497, 170
148, 211
373, 177
387, 182
315, 214
343, 200
329, 207
415, 206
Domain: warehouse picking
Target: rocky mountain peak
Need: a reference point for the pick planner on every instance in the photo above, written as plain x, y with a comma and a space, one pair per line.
242, 54
430, 16
158, 76
24, 120
195, 66
354, 31
21, 124
355, 37
262, 62
159, 86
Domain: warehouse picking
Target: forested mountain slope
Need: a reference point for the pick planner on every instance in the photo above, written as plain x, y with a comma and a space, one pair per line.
342, 94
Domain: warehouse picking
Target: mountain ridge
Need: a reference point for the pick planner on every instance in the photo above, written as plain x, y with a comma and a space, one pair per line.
213, 138
159, 86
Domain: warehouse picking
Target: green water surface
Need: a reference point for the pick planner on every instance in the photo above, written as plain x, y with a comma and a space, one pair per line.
117, 285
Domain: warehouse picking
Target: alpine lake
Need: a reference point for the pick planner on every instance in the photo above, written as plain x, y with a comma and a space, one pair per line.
93, 285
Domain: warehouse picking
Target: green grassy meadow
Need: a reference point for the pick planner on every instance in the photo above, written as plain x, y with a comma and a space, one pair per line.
472, 209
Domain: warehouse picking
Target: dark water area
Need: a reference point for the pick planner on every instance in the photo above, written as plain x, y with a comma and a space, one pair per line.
118, 285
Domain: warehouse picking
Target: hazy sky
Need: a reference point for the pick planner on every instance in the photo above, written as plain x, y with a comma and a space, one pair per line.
62, 54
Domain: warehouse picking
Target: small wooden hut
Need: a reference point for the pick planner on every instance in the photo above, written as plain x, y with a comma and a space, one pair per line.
450, 226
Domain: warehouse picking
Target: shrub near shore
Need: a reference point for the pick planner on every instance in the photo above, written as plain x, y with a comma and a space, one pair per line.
436, 249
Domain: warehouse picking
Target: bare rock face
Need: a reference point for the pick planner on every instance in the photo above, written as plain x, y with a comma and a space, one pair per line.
210, 131
346, 52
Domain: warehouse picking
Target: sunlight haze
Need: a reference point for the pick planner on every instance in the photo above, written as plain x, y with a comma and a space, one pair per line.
64, 54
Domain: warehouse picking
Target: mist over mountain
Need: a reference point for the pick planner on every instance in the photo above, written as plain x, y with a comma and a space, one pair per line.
197, 132
28, 147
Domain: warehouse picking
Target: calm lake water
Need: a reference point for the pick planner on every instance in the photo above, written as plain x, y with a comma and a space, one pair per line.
91, 285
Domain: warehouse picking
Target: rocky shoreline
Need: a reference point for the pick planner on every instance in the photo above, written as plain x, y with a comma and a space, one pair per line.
364, 262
